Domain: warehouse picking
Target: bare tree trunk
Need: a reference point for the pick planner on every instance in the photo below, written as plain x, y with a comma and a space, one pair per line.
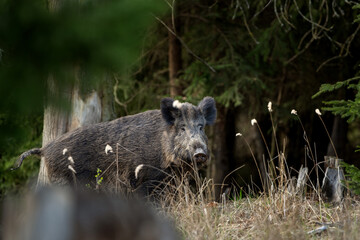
220, 150
85, 110
338, 136
175, 61
55, 124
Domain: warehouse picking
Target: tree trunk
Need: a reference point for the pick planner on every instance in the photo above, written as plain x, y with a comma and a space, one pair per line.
220, 150
55, 124
332, 185
255, 167
338, 136
175, 61
92, 108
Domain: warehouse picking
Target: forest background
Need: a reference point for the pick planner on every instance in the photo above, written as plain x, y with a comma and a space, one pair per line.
243, 53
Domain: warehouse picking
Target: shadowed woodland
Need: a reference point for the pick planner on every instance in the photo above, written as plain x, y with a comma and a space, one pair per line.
285, 78
124, 56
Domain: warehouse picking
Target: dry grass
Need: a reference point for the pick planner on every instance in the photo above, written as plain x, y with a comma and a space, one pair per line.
282, 214
281, 211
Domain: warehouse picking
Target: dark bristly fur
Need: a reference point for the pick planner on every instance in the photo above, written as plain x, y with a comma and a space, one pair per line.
159, 139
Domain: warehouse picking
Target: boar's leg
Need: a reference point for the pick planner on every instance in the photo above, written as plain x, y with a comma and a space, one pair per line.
147, 187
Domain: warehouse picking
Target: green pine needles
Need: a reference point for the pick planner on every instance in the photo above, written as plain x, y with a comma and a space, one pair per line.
349, 109
353, 173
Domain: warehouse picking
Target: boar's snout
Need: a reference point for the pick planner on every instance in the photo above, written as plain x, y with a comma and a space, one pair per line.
200, 156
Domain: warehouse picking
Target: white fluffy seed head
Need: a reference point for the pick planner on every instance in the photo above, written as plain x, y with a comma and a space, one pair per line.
65, 151
238, 135
137, 170
71, 160
318, 112
108, 149
294, 112
253, 121
205, 211
71, 169
270, 106
177, 104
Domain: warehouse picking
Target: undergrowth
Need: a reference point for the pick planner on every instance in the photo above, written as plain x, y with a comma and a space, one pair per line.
285, 208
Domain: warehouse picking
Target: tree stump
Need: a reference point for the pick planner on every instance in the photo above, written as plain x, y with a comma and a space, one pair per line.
332, 186
302, 178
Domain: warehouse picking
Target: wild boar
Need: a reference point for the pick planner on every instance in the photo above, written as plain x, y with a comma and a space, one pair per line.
140, 148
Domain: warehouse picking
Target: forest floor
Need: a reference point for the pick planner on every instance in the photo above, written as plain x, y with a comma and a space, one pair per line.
280, 214
283, 212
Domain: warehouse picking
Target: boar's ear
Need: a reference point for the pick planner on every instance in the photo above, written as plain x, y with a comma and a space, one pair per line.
208, 108
168, 111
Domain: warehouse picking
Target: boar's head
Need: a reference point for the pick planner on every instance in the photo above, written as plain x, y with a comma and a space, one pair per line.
186, 123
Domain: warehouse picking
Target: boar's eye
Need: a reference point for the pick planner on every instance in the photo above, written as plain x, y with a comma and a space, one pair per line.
201, 127
183, 128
